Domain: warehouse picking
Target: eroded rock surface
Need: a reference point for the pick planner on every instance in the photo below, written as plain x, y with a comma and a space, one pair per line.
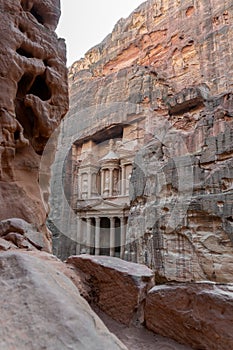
33, 100
182, 206
42, 309
200, 315
118, 287
20, 234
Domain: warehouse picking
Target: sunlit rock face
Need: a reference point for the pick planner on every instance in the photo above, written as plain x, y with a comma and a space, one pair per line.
198, 314
166, 68
33, 100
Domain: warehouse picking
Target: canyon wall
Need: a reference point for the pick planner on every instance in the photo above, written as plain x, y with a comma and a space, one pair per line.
33, 100
166, 72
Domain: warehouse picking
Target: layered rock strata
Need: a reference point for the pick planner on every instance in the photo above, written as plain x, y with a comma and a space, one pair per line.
33, 100
167, 67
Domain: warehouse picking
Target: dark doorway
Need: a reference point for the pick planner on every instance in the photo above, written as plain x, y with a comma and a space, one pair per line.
104, 236
117, 248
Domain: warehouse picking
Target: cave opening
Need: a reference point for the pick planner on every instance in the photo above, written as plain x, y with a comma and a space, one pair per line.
40, 88
24, 85
16, 135
23, 52
46, 63
27, 6
37, 15
21, 28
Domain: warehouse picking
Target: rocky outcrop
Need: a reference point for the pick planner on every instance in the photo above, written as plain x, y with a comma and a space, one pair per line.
42, 308
117, 287
174, 78
20, 234
200, 315
33, 100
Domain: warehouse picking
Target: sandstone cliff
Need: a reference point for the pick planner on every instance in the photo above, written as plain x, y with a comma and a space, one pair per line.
33, 100
168, 67
160, 86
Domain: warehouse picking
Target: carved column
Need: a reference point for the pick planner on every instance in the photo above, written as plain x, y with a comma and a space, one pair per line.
79, 186
107, 180
97, 236
112, 236
84, 186
102, 182
110, 182
123, 236
89, 184
88, 240
94, 184
78, 239
123, 179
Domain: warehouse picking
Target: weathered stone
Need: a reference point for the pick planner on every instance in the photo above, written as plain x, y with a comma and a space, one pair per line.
42, 309
168, 46
4, 245
189, 98
33, 100
200, 315
139, 338
118, 287
18, 231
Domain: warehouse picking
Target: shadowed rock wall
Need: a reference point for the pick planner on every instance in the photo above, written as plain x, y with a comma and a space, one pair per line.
33, 100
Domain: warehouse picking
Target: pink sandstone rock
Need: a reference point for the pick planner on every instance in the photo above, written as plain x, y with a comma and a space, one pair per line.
33, 100
118, 287
200, 315
42, 309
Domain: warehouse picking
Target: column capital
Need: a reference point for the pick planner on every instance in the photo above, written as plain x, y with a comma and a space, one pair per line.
97, 219
112, 218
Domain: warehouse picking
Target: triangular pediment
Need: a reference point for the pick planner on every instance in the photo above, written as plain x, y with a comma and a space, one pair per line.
103, 205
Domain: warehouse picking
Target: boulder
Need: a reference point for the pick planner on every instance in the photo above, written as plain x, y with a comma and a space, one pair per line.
21, 233
118, 287
200, 315
42, 309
